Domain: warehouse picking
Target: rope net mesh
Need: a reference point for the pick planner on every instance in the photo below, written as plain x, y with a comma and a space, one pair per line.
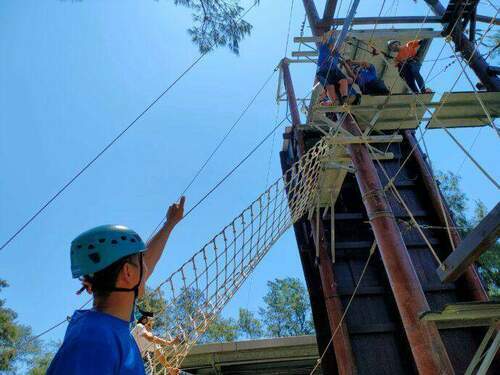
192, 297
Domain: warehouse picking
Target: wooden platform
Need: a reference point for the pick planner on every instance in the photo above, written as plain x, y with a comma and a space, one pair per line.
383, 112
463, 109
354, 49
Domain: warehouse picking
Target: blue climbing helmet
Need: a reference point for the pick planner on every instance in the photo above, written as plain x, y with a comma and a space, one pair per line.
98, 248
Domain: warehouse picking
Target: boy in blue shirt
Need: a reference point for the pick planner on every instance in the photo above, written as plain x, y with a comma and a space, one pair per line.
365, 76
328, 72
113, 264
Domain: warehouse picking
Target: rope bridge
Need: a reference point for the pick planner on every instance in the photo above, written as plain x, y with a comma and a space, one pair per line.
192, 296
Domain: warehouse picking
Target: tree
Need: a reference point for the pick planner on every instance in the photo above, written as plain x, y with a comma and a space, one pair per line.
493, 43
287, 311
449, 184
17, 345
41, 361
217, 23
489, 262
249, 326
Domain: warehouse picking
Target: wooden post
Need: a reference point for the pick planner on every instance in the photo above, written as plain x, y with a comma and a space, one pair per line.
427, 348
341, 343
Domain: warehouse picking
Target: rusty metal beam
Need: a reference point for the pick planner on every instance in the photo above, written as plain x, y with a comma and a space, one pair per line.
428, 350
471, 278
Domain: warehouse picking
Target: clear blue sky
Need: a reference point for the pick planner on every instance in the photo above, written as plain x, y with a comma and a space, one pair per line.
75, 73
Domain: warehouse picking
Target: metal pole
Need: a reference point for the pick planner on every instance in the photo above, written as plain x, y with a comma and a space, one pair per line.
427, 348
477, 63
470, 276
341, 344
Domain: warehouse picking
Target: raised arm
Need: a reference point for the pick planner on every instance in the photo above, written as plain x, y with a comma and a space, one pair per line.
348, 69
157, 244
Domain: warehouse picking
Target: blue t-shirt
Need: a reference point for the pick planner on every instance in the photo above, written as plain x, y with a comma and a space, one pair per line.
97, 343
326, 59
366, 75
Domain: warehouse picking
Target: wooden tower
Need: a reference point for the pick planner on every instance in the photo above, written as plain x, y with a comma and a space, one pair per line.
380, 198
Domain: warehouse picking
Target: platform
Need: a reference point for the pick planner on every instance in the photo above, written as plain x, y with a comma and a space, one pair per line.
396, 112
463, 109
355, 49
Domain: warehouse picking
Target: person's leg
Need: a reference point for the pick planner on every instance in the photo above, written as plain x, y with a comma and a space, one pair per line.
330, 90
343, 87
406, 73
377, 87
414, 67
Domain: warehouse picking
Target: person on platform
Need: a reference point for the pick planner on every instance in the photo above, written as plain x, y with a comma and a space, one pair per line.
408, 64
328, 72
150, 345
113, 264
364, 75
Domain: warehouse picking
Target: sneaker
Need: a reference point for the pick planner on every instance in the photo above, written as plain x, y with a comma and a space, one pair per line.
327, 103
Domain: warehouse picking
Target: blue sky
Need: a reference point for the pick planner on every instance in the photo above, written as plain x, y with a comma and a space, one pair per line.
74, 74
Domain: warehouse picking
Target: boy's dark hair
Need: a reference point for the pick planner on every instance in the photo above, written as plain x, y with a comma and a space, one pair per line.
143, 319
103, 282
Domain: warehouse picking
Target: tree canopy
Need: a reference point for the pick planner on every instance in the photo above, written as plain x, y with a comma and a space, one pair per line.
217, 23
17, 346
458, 202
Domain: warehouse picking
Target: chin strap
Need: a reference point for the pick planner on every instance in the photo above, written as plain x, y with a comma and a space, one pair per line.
88, 285
135, 288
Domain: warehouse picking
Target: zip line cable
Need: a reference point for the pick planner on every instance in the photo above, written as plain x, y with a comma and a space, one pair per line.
223, 179
247, 107
108, 146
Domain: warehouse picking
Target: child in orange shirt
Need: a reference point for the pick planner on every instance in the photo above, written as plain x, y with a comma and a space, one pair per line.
408, 65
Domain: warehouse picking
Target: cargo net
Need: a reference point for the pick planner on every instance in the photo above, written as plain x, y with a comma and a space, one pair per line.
192, 297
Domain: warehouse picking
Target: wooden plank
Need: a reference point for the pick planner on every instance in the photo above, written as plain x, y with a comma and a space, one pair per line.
370, 139
465, 311
463, 109
482, 237
400, 20
399, 34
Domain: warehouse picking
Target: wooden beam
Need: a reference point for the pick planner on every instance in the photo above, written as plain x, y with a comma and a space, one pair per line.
370, 139
399, 20
328, 13
477, 242
400, 34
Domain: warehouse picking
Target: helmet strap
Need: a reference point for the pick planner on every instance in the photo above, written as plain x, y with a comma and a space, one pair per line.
135, 288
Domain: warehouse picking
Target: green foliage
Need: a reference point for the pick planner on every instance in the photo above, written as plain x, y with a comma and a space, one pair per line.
449, 184
287, 311
16, 344
221, 330
249, 326
217, 23
41, 361
493, 43
489, 262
